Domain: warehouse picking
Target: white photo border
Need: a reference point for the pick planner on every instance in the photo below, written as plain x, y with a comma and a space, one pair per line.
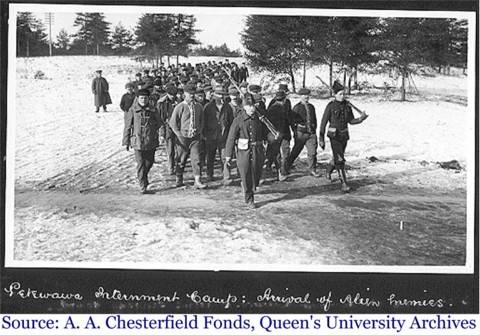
10, 262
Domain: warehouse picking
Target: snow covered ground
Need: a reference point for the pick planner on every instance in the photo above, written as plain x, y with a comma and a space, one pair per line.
62, 146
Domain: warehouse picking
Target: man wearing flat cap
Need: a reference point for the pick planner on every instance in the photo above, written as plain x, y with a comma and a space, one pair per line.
305, 125
338, 114
100, 92
218, 119
208, 90
187, 123
248, 132
165, 106
141, 134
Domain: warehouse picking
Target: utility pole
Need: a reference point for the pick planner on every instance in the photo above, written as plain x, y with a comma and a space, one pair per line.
49, 18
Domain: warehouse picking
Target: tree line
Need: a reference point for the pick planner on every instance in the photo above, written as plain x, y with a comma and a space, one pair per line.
285, 44
155, 36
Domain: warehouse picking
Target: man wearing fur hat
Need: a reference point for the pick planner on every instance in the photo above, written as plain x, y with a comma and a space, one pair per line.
305, 125
187, 123
141, 133
338, 114
249, 133
165, 106
218, 119
100, 92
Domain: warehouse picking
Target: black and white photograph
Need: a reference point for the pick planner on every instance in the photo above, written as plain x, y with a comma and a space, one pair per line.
246, 139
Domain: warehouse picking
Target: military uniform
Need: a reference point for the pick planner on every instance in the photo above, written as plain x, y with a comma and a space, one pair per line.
338, 115
141, 134
305, 126
249, 133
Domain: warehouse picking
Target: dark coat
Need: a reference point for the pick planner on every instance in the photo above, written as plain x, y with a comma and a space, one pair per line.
127, 101
243, 74
338, 115
141, 128
279, 115
165, 108
100, 92
250, 160
245, 127
303, 122
217, 123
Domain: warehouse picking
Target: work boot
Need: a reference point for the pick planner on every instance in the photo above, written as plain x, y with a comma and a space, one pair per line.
179, 181
198, 184
343, 178
251, 205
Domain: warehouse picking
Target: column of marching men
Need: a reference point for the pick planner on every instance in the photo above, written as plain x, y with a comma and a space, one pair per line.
210, 110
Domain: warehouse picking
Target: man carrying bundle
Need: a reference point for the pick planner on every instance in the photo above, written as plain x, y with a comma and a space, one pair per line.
338, 114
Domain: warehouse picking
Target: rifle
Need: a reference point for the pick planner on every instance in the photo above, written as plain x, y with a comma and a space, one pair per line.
348, 102
261, 117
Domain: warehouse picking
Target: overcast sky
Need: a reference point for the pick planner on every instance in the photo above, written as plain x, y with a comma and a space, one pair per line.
215, 29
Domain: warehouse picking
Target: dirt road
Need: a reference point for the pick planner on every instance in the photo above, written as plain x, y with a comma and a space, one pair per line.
306, 220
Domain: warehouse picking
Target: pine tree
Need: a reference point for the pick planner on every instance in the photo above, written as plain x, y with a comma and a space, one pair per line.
183, 34
276, 43
154, 34
402, 44
121, 40
93, 30
458, 43
435, 50
31, 36
84, 34
356, 36
63, 41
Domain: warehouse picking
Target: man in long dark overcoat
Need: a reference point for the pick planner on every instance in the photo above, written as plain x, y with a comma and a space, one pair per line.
100, 92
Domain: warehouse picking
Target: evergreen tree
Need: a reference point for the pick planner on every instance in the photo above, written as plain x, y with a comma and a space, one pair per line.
93, 30
183, 34
121, 40
63, 41
31, 36
154, 34
402, 44
356, 44
458, 43
276, 43
435, 50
